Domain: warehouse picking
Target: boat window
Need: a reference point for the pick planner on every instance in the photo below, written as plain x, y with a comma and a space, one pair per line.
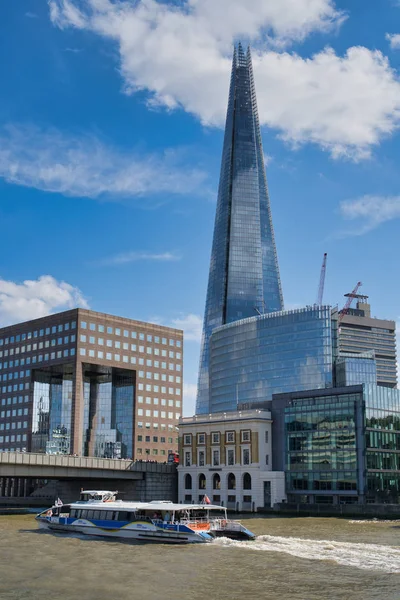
73, 513
109, 515
84, 513
123, 515
97, 514
65, 510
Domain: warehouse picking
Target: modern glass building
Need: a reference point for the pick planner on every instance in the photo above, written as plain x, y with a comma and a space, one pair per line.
340, 445
252, 359
354, 369
244, 275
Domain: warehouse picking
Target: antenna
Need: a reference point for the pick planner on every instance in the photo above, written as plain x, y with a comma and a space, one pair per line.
322, 281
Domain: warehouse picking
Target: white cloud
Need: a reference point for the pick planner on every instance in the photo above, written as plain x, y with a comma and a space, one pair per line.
394, 40
134, 256
181, 53
370, 212
192, 326
32, 299
85, 166
31, 15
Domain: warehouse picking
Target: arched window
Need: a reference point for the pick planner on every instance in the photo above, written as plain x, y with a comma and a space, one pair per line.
216, 482
202, 481
247, 481
231, 482
188, 482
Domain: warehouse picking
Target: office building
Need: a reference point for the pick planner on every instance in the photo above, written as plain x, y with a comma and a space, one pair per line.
340, 445
359, 332
92, 384
244, 276
252, 359
227, 457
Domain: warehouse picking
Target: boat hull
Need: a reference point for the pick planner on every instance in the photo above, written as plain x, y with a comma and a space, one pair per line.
137, 532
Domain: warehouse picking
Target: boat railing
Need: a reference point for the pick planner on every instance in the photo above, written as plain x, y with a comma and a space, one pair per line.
221, 524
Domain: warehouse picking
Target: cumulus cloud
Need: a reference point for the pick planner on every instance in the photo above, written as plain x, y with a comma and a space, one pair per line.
370, 211
181, 55
85, 166
134, 256
191, 325
32, 299
394, 40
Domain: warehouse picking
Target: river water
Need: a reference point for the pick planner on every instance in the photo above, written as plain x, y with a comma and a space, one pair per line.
300, 559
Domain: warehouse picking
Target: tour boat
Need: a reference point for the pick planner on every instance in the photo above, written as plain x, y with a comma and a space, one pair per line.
99, 513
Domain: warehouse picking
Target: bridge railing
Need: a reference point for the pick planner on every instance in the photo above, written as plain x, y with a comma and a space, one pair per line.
83, 462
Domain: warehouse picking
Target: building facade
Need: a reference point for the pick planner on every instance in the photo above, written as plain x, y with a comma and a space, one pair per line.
92, 384
252, 359
227, 457
340, 445
359, 332
244, 276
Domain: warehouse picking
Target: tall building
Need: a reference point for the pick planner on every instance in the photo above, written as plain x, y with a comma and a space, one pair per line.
244, 275
359, 332
88, 383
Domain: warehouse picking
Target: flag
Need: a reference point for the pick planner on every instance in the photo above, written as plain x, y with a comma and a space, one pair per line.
59, 502
206, 500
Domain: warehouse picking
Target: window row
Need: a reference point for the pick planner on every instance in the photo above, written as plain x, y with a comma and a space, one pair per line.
126, 346
5, 414
216, 481
230, 437
163, 440
33, 348
16, 387
154, 452
15, 400
18, 425
15, 375
217, 457
156, 414
5, 439
48, 356
13, 339
161, 426
130, 334
164, 402
157, 389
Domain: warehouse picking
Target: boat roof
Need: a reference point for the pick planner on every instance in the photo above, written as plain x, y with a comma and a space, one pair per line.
156, 506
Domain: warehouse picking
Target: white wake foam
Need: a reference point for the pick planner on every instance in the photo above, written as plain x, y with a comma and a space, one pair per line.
360, 556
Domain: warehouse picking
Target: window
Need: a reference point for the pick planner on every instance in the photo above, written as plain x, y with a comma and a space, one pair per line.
246, 436
266, 437
92, 326
83, 325
188, 482
187, 458
215, 437
187, 438
230, 457
267, 459
201, 458
215, 458
202, 481
231, 482
230, 436
201, 437
247, 481
245, 456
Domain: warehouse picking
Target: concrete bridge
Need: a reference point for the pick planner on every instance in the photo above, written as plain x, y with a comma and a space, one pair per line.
33, 476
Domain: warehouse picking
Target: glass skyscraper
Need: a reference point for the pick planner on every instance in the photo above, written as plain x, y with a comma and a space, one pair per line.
244, 275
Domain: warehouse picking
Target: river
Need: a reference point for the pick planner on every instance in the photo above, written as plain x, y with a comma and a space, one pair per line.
293, 558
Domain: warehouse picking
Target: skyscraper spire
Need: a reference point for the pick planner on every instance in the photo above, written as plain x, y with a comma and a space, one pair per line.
244, 275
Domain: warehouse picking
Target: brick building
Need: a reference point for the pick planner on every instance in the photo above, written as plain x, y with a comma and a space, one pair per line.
93, 384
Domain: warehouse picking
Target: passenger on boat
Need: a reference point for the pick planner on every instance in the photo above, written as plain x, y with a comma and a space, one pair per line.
167, 517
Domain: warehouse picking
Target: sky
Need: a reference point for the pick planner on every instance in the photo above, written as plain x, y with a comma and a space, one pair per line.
111, 130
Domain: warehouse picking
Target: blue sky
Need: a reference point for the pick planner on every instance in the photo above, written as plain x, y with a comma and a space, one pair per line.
111, 125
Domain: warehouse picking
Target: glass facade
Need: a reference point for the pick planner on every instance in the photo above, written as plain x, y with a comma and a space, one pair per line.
321, 444
244, 275
52, 410
382, 441
108, 417
275, 353
355, 369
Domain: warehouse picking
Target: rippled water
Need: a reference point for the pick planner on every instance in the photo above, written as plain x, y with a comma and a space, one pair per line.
305, 559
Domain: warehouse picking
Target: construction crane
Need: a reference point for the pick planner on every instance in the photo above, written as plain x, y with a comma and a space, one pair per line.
350, 298
322, 281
